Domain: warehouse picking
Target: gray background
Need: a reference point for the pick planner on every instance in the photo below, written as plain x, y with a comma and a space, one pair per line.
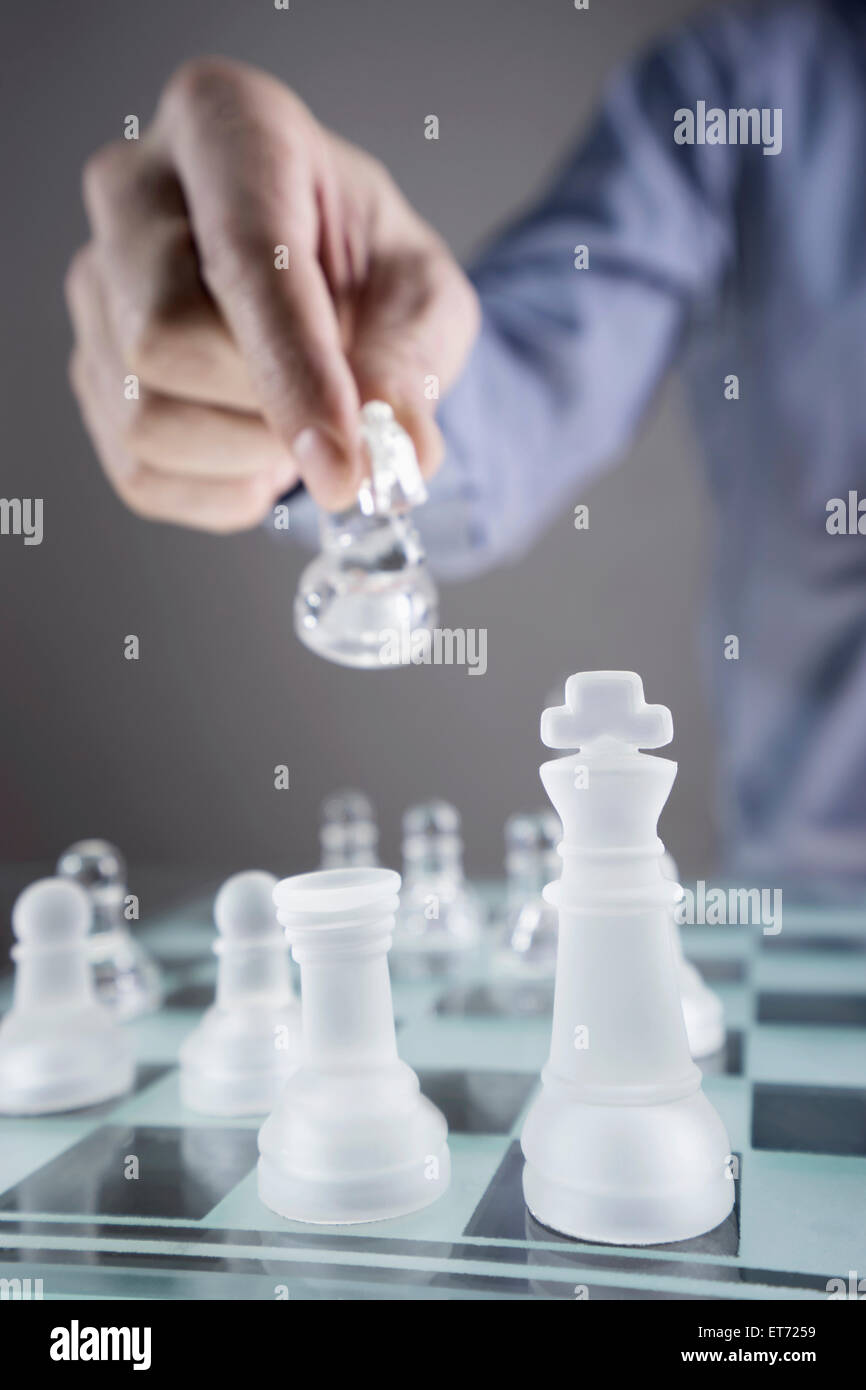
173, 756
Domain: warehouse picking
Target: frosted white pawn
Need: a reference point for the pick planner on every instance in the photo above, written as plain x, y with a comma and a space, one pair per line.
60, 1049
439, 921
351, 1138
127, 978
238, 1058
348, 833
622, 1145
702, 1008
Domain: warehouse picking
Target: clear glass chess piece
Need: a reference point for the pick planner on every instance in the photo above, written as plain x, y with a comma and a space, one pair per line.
348, 833
127, 977
527, 944
362, 599
439, 922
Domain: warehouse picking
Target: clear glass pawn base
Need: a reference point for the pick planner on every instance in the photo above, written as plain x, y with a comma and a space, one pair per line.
361, 602
428, 946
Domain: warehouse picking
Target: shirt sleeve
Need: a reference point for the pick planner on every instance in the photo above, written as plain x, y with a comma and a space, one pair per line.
568, 359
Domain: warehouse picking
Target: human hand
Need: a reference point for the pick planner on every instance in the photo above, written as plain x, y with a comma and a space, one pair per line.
251, 377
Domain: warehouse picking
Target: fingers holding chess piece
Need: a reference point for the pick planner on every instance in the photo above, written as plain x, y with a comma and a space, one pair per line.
60, 1048
362, 601
127, 978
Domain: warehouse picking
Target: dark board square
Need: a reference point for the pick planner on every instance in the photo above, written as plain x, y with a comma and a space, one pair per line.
728, 1061
146, 1073
502, 1215
182, 1173
808, 941
722, 972
809, 1119
479, 1102
508, 999
835, 1010
192, 996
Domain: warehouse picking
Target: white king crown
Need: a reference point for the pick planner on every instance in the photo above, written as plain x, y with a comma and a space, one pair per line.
608, 794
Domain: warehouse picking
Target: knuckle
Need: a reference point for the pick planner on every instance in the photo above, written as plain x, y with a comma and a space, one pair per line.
202, 82
377, 172
101, 171
152, 341
154, 347
235, 253
144, 346
141, 421
154, 324
135, 490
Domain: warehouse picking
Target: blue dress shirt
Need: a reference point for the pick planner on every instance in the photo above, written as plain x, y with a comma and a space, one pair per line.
724, 260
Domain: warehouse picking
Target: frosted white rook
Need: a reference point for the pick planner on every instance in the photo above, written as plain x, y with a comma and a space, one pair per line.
622, 1145
351, 1138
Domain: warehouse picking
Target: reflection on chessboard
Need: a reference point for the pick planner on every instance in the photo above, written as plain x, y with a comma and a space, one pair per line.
789, 1084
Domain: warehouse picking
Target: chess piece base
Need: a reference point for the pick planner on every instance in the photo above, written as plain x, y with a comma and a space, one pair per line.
42, 1073
350, 1201
364, 619
341, 1150
231, 1064
627, 1174
432, 947
230, 1094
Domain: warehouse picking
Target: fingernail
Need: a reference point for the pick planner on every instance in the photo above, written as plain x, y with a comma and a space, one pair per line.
313, 449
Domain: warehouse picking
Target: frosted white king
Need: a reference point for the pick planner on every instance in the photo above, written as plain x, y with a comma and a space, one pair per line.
621, 1145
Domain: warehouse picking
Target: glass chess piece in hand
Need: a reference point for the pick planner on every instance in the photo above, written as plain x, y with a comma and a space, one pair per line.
362, 599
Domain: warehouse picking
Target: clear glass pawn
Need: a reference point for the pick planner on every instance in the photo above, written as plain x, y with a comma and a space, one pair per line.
348, 834
128, 979
527, 945
439, 920
362, 599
